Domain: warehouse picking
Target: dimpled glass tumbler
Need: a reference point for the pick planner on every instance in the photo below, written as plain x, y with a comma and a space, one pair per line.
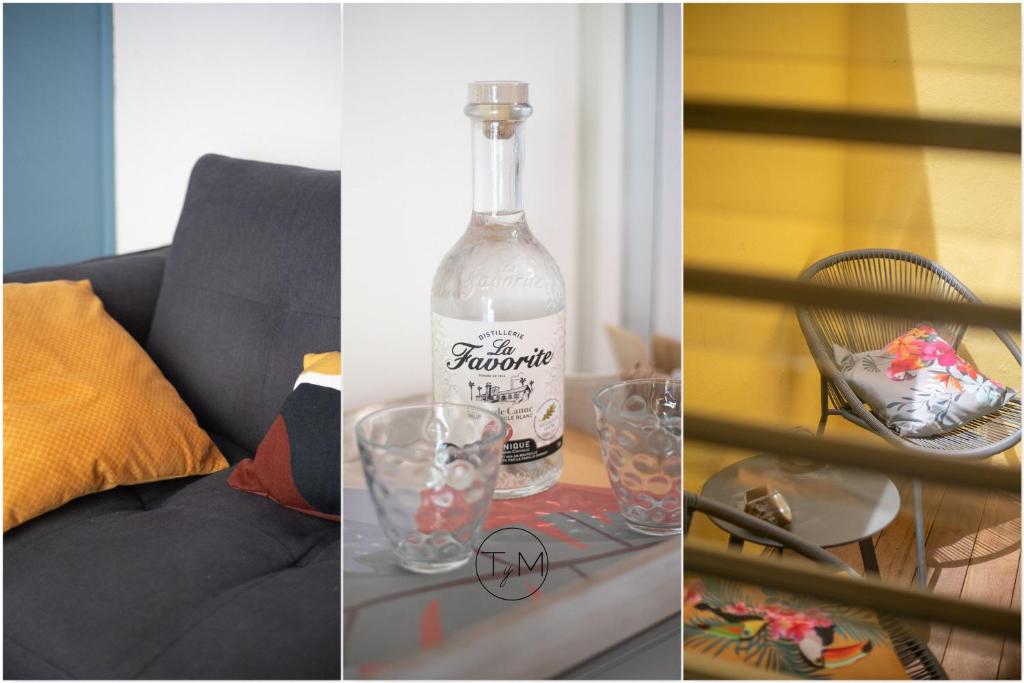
640, 426
431, 471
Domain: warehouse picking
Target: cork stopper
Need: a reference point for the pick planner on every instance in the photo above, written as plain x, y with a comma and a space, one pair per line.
500, 105
499, 92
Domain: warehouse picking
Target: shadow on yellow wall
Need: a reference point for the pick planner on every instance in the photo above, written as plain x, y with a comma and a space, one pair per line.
775, 205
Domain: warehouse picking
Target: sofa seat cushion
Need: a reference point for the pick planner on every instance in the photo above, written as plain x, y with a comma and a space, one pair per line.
181, 579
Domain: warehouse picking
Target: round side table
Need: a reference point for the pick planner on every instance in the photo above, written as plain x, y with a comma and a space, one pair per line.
831, 505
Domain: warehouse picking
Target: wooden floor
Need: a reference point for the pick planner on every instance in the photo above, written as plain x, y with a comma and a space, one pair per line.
973, 550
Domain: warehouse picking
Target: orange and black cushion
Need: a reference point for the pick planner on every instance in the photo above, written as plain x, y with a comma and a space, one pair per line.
298, 463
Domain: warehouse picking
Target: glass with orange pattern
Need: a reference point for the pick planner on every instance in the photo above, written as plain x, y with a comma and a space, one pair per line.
431, 471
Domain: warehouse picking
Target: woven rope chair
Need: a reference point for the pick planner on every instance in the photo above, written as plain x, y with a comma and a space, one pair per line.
918, 661
901, 272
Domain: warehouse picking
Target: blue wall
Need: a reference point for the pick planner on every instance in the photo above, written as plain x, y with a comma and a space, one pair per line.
58, 134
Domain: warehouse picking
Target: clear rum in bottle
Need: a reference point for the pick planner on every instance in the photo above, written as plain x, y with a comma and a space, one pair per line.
498, 302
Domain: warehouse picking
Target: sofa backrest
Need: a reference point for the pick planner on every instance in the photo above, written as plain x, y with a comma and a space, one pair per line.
251, 284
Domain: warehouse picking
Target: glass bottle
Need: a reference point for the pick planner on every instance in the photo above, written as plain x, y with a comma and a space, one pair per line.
498, 302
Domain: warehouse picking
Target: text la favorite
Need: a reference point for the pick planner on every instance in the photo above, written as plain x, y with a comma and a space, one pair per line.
500, 357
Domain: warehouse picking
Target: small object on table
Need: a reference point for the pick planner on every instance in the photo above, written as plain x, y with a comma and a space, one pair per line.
830, 505
768, 504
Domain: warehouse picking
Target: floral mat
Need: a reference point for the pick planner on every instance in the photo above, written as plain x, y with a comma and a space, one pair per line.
785, 633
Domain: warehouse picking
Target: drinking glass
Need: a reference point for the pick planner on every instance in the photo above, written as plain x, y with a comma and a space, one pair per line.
640, 426
431, 471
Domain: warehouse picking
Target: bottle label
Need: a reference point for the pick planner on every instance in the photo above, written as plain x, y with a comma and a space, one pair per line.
515, 369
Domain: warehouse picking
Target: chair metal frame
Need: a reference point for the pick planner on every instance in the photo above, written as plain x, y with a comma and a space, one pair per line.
892, 270
917, 659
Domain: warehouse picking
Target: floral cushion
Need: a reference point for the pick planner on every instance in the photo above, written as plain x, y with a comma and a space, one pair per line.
786, 634
919, 385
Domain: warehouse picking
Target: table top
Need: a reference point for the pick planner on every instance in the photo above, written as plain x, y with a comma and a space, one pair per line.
831, 505
394, 618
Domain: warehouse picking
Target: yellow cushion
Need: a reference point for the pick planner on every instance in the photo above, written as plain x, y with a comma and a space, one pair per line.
323, 363
85, 409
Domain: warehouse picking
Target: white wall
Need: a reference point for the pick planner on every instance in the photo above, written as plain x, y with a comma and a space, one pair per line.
598, 295
406, 193
668, 236
254, 81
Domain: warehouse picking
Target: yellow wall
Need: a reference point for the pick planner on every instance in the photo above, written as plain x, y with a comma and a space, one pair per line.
775, 205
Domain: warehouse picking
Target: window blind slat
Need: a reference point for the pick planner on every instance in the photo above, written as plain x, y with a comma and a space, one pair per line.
699, 557
697, 427
851, 126
714, 282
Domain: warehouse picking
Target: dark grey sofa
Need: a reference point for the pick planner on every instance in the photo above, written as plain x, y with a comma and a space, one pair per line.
190, 578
